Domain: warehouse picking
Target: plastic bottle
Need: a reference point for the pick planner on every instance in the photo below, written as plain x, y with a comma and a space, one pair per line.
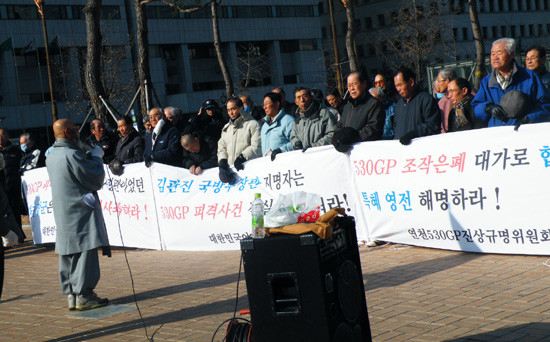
134, 120
257, 210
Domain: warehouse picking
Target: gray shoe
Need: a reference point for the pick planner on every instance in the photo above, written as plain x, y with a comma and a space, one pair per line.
90, 301
72, 301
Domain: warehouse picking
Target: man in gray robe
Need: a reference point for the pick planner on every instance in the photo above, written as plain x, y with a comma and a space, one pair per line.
75, 176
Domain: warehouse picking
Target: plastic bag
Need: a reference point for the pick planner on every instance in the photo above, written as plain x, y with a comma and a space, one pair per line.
293, 208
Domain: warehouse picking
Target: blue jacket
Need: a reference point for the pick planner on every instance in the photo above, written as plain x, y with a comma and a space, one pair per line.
526, 81
167, 149
276, 133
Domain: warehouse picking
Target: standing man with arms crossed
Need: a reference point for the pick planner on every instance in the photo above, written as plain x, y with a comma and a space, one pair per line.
75, 178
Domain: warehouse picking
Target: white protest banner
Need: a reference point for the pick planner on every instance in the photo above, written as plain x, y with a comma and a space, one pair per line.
201, 213
127, 205
482, 190
36, 186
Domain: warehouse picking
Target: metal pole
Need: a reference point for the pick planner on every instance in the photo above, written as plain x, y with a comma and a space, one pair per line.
85, 120
108, 108
133, 101
40, 4
335, 47
147, 96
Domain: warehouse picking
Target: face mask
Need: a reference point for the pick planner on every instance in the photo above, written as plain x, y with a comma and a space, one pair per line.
247, 108
23, 147
439, 95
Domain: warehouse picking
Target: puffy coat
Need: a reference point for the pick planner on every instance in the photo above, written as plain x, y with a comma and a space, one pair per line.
365, 114
167, 149
315, 128
73, 175
525, 80
240, 137
130, 148
276, 133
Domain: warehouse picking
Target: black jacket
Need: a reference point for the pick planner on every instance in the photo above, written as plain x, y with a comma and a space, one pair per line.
421, 115
206, 158
107, 143
32, 159
130, 148
365, 114
11, 178
167, 149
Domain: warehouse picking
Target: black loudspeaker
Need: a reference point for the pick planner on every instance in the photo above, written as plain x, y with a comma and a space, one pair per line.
304, 288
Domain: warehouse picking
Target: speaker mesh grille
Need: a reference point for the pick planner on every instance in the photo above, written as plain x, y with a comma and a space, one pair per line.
349, 291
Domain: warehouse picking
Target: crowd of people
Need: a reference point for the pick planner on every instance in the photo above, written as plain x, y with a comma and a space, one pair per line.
224, 137
397, 108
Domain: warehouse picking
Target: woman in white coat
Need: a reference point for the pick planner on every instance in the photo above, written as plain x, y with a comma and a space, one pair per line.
240, 140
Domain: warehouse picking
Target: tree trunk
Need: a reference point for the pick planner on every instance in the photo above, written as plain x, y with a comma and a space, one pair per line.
217, 45
480, 70
143, 70
92, 74
350, 35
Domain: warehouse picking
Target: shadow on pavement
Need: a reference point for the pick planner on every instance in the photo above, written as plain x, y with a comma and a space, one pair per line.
225, 306
528, 332
20, 297
161, 292
402, 274
16, 252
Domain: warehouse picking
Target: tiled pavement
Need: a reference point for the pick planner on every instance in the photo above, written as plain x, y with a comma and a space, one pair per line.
413, 294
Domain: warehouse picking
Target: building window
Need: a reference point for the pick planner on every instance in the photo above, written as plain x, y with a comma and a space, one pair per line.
503, 31
199, 51
360, 51
381, 20
394, 18
531, 30
295, 45
323, 32
513, 31
161, 12
540, 32
522, 30
55, 12
290, 79
22, 12
528, 5
455, 34
368, 23
491, 6
110, 12
464, 33
494, 31
252, 12
519, 5
510, 5
484, 29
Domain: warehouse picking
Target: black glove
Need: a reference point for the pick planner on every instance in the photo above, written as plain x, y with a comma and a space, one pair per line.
148, 160
275, 153
407, 137
116, 167
239, 162
497, 111
524, 120
226, 174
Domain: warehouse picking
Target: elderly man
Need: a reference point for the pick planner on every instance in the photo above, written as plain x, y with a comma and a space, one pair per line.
250, 111
162, 145
289, 107
363, 112
335, 100
31, 157
535, 60
174, 115
315, 124
129, 148
199, 153
10, 179
100, 137
445, 76
75, 178
507, 75
462, 116
416, 112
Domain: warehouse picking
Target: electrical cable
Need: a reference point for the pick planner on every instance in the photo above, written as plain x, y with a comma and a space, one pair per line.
152, 338
238, 332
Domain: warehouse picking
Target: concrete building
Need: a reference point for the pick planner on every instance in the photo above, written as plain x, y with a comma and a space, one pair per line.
447, 35
282, 39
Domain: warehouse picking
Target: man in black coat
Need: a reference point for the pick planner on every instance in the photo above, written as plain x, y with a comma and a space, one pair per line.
129, 148
11, 178
31, 157
100, 137
417, 112
199, 153
363, 112
162, 145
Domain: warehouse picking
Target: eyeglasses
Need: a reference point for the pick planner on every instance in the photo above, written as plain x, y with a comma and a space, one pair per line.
454, 90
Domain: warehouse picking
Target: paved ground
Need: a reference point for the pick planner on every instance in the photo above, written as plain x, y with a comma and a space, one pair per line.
413, 294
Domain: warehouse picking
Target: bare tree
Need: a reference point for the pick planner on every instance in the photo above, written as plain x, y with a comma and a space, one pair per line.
480, 71
350, 35
252, 64
415, 36
92, 13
